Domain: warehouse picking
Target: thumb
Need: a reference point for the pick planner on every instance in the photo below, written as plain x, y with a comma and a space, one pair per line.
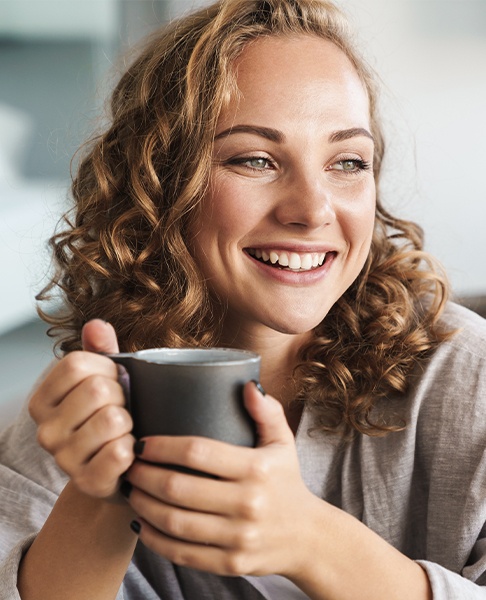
99, 336
269, 416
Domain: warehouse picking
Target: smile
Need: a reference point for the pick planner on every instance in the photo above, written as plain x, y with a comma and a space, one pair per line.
289, 261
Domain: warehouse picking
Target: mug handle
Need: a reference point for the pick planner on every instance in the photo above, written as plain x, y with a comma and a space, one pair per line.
124, 359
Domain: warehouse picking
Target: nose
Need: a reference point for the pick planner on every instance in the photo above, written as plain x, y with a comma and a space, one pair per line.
305, 201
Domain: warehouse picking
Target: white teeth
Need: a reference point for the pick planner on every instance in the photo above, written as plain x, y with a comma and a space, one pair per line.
273, 257
306, 262
291, 260
294, 261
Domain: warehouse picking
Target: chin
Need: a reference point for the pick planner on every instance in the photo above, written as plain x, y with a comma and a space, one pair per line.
295, 326
289, 330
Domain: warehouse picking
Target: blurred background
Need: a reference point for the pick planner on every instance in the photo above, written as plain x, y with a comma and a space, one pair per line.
59, 59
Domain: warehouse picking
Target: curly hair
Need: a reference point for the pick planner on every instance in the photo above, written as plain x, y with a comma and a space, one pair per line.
124, 255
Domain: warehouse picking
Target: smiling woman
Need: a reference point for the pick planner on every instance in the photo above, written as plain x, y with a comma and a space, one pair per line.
234, 201
279, 186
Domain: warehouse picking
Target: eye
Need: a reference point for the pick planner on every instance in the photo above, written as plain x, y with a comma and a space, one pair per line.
351, 165
255, 163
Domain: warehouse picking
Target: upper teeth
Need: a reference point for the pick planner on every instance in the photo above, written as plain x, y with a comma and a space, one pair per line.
294, 261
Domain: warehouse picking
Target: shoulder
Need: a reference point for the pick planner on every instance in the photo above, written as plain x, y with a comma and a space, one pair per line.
470, 327
447, 393
461, 358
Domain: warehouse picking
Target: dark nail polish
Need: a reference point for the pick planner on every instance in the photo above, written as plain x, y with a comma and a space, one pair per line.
138, 447
126, 489
259, 387
135, 527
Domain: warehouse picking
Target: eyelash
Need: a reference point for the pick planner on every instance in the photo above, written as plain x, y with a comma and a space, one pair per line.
247, 159
361, 165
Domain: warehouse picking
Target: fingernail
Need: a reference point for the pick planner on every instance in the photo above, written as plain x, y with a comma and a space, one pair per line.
138, 447
126, 489
259, 387
135, 527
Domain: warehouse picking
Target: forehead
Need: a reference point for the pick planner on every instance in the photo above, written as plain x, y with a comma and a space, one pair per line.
301, 75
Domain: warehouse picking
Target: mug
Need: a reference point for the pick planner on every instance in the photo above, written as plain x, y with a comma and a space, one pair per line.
191, 391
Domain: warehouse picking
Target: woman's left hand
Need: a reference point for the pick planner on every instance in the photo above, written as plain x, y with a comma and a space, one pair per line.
250, 520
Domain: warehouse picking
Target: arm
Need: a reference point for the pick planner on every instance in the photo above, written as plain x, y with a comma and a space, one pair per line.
83, 550
259, 518
358, 563
85, 545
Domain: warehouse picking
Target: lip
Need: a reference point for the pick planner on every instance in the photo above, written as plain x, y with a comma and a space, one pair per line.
293, 247
294, 277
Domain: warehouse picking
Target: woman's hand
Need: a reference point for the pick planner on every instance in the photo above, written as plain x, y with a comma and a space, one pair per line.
82, 422
247, 521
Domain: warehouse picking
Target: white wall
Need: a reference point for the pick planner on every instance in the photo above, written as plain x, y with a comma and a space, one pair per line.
58, 18
431, 55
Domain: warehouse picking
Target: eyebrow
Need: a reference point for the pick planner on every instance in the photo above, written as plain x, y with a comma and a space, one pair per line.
274, 135
346, 134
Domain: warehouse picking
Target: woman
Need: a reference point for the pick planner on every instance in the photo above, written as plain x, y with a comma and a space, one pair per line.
233, 202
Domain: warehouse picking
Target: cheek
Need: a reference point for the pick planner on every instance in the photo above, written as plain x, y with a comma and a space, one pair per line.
221, 223
358, 219
231, 210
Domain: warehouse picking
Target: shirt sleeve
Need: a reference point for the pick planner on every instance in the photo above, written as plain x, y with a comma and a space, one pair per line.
24, 507
423, 489
453, 438
30, 484
447, 585
9, 566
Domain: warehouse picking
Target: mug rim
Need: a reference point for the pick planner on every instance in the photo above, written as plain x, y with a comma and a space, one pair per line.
224, 356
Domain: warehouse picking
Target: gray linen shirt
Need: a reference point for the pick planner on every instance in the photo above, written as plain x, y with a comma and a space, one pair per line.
422, 489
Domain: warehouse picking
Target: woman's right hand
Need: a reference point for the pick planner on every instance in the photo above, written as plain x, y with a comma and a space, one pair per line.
79, 408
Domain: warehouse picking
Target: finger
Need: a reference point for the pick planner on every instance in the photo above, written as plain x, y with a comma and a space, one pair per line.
65, 376
268, 414
191, 492
87, 398
100, 477
108, 424
203, 557
187, 525
99, 336
213, 457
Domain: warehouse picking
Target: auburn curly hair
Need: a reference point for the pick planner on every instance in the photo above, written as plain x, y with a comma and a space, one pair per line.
124, 256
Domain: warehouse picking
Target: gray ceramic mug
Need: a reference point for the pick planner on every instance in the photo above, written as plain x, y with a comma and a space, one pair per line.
191, 391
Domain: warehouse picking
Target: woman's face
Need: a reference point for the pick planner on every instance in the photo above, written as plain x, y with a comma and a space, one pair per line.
286, 225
